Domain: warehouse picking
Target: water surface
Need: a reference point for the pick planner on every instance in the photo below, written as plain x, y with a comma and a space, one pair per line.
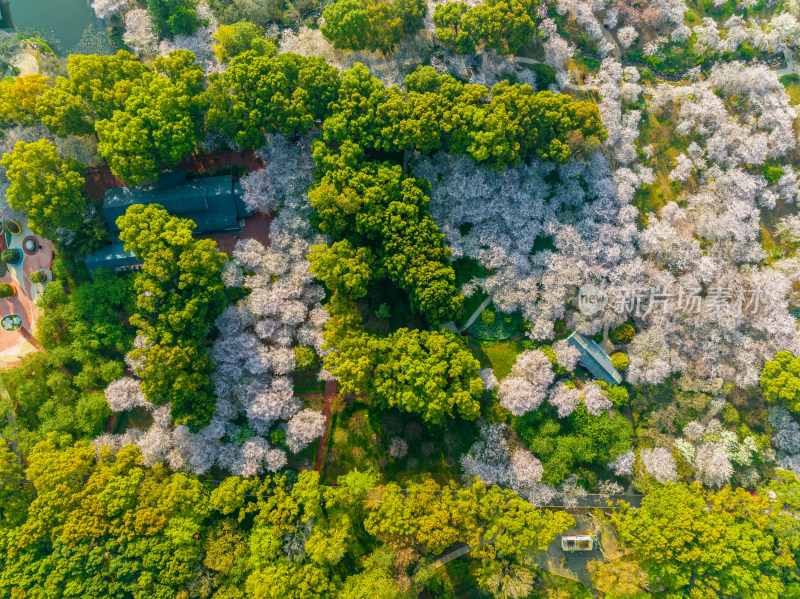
69, 25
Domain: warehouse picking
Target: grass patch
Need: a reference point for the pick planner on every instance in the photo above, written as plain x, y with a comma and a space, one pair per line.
497, 356
306, 382
793, 91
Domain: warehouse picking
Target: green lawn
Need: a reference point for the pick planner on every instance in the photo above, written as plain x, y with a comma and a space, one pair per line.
497, 356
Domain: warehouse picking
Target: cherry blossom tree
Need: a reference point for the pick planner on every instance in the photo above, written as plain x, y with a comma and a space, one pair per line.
623, 464
398, 448
565, 399
526, 387
107, 8
303, 428
139, 33
626, 36
595, 399
567, 355
714, 469
660, 464
489, 379
125, 394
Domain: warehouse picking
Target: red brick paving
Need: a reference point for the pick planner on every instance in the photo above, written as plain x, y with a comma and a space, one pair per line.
255, 227
331, 388
21, 303
99, 177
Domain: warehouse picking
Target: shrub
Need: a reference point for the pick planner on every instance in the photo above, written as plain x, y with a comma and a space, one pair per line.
488, 317
37, 277
383, 311
618, 395
623, 333
497, 413
619, 360
772, 173
10, 256
7, 290
278, 437
305, 358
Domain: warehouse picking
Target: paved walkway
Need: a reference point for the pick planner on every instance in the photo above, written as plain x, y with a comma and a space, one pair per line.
574, 565
15, 344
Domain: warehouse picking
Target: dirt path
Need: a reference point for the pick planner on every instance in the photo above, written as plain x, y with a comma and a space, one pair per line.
331, 389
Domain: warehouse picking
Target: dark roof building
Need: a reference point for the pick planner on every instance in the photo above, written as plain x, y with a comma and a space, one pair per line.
213, 203
594, 359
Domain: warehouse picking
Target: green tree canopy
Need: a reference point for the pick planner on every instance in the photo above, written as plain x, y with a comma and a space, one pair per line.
46, 187
431, 373
498, 129
700, 543
502, 25
259, 94
173, 17
160, 123
780, 380
235, 39
96, 86
18, 98
580, 440
384, 210
342, 267
179, 294
371, 24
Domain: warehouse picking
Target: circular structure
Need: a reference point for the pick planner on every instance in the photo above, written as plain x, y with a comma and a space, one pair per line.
30, 245
13, 227
19, 254
12, 322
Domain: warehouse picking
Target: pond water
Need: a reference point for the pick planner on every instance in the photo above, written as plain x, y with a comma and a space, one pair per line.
70, 26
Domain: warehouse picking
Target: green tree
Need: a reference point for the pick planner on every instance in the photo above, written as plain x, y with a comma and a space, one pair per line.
46, 187
623, 333
388, 212
702, 544
780, 380
18, 98
258, 95
235, 39
160, 122
579, 440
620, 360
372, 24
173, 17
375, 583
14, 494
179, 293
96, 87
352, 116
503, 25
431, 373
342, 267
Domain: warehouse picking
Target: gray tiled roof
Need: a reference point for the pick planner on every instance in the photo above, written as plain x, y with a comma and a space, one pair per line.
594, 359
